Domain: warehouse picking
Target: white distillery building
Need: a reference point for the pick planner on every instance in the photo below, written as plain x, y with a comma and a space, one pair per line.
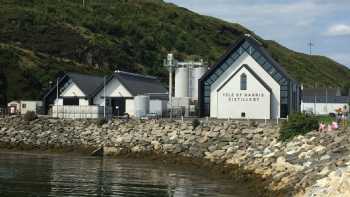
323, 101
89, 96
248, 83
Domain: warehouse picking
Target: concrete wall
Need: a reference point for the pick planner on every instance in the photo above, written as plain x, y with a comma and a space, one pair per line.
322, 108
246, 59
254, 102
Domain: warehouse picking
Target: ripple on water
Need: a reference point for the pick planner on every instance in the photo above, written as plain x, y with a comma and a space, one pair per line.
62, 175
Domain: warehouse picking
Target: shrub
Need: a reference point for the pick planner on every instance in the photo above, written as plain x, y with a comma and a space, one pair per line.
101, 121
297, 124
195, 123
29, 116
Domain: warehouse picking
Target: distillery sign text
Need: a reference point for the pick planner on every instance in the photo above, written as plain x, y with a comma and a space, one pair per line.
238, 97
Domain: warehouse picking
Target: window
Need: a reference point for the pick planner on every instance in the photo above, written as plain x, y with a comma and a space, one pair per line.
70, 101
24, 106
243, 82
243, 115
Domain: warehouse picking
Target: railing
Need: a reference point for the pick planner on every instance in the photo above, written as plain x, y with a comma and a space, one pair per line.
81, 112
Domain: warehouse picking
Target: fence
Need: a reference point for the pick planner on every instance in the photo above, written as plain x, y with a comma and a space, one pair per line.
81, 112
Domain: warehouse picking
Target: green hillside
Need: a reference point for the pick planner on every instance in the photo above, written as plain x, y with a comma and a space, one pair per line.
40, 38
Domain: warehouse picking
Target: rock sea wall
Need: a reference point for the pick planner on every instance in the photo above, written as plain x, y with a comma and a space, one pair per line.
314, 164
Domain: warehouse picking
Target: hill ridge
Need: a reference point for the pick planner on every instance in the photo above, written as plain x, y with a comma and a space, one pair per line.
130, 35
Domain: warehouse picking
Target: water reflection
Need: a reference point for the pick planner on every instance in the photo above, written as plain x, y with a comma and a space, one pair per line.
58, 175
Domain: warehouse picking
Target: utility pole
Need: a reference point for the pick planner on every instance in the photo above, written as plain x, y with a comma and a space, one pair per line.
169, 62
84, 3
310, 44
57, 102
104, 97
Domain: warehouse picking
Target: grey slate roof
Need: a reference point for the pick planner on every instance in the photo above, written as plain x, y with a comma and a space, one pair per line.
87, 83
138, 84
321, 92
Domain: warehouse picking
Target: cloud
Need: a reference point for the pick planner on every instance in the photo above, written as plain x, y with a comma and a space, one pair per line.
338, 30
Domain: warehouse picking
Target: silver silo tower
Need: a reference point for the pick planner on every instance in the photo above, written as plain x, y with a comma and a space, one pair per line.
182, 82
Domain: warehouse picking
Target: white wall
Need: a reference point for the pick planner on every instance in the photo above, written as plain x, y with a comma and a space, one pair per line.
83, 102
113, 89
158, 107
254, 102
59, 101
245, 58
29, 106
130, 107
72, 91
322, 108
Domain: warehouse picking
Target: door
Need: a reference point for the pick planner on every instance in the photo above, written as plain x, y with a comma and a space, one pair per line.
118, 106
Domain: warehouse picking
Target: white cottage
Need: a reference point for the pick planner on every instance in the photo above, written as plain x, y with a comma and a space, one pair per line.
248, 83
122, 87
85, 96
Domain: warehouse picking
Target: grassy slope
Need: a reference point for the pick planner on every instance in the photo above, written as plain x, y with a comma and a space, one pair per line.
39, 38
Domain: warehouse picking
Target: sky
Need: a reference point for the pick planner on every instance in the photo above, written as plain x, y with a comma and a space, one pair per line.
292, 23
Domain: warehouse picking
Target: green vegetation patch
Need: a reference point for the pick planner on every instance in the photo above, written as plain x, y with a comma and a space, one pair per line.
298, 124
45, 37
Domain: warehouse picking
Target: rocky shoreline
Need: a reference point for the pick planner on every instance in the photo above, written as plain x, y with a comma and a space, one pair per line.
315, 164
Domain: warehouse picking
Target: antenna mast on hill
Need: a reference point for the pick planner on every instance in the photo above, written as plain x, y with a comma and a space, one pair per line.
310, 47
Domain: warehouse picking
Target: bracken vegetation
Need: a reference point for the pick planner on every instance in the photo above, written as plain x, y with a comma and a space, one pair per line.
40, 38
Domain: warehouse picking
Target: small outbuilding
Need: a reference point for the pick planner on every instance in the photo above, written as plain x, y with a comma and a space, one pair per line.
323, 101
22, 107
122, 87
14, 107
34, 106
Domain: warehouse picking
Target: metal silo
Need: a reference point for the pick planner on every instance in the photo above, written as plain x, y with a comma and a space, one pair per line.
182, 82
141, 105
197, 73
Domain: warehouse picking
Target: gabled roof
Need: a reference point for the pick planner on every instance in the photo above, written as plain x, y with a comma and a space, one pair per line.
258, 46
137, 84
140, 84
86, 83
262, 82
321, 92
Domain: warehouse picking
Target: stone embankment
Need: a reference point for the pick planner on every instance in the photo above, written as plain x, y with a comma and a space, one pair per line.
317, 164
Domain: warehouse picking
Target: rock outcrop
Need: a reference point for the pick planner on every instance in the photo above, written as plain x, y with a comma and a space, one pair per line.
314, 164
